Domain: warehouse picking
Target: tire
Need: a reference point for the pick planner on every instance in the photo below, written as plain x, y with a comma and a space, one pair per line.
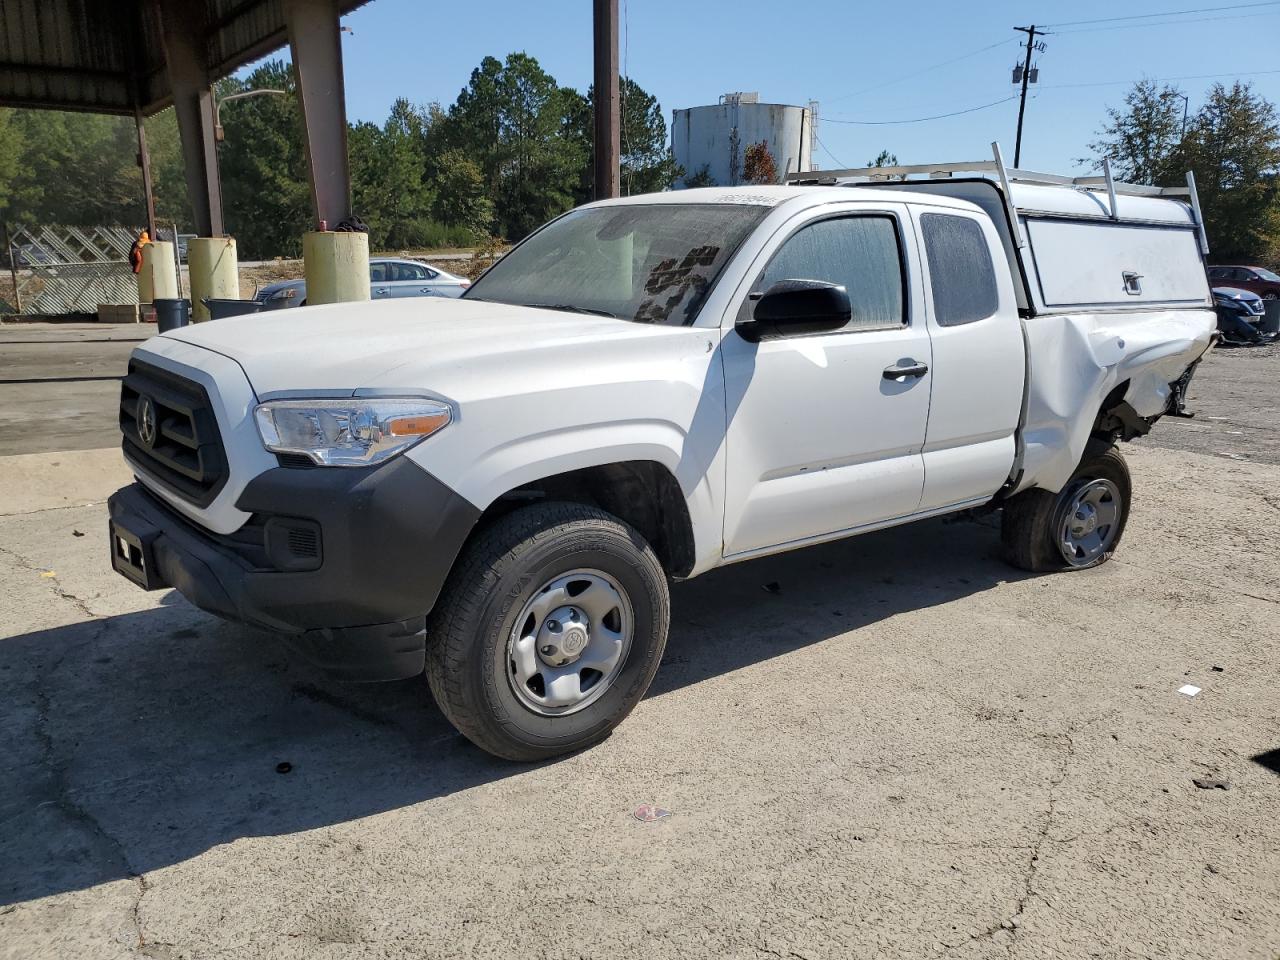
480, 639
1036, 529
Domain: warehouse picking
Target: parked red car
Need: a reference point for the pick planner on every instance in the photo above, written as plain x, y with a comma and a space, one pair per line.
1258, 279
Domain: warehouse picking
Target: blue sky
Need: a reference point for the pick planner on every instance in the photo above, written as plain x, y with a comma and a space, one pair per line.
861, 61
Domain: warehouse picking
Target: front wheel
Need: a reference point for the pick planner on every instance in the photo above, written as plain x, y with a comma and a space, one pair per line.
548, 632
1078, 527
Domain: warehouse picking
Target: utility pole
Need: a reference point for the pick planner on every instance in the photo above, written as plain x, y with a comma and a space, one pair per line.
607, 115
1031, 33
1186, 105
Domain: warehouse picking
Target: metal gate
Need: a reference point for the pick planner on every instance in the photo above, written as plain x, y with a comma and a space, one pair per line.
61, 269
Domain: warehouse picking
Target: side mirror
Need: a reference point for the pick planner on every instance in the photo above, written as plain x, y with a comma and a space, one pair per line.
794, 308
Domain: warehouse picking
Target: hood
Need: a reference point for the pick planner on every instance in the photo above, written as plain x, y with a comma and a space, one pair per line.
1235, 293
269, 288
417, 344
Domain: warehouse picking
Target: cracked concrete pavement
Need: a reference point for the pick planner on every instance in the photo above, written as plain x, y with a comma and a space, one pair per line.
908, 750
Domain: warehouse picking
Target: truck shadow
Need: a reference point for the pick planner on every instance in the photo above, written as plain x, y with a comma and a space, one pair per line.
142, 740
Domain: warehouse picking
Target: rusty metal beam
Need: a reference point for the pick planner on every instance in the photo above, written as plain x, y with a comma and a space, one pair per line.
186, 59
315, 40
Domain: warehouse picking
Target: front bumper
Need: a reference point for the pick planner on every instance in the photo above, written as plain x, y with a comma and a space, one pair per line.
348, 562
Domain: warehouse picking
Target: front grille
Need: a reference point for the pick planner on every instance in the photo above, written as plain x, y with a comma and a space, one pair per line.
185, 454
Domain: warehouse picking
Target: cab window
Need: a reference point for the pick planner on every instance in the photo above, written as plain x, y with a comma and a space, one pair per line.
860, 253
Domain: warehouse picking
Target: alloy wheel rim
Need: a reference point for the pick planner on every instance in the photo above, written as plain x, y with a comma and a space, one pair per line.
570, 642
1089, 522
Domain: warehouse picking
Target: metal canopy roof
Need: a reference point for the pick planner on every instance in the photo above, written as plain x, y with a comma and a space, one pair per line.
108, 57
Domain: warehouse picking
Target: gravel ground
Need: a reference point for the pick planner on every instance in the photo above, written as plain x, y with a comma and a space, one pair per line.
894, 746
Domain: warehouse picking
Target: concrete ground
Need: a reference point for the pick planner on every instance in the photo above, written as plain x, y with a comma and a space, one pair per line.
894, 746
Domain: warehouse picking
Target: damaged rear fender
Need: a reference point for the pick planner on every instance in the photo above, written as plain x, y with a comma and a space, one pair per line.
1109, 371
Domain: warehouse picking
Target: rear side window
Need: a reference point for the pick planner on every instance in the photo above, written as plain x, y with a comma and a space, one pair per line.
859, 253
961, 275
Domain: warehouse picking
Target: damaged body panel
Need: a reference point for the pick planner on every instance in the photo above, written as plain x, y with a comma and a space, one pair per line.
1078, 362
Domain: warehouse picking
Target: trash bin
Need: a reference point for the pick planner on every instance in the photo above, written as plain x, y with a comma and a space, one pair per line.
1272, 323
218, 309
172, 313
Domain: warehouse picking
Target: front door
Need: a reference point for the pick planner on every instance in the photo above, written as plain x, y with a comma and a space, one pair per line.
823, 435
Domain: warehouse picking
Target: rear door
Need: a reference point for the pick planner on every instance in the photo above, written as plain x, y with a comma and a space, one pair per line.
979, 359
379, 279
410, 279
822, 438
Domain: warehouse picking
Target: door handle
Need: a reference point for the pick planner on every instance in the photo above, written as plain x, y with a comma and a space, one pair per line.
380, 290
902, 371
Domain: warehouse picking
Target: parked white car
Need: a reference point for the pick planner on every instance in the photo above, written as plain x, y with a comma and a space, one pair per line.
498, 489
388, 278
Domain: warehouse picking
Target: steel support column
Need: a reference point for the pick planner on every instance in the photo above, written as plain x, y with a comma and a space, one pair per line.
188, 70
315, 40
607, 114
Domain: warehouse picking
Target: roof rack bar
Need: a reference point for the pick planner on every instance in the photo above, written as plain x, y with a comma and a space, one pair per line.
1195, 211
1009, 175
1111, 188
1007, 195
885, 173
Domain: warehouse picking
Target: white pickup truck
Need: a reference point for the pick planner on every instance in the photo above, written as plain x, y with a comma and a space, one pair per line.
498, 489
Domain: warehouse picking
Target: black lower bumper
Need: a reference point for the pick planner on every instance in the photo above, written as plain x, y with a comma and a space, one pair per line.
346, 561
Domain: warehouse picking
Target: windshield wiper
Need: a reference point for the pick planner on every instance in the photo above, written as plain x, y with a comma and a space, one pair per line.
573, 308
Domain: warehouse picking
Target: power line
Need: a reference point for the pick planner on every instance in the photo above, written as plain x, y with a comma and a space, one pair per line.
834, 158
917, 73
940, 116
1168, 13
1164, 23
1121, 83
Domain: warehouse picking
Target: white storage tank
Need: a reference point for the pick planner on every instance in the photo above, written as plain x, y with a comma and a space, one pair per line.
715, 138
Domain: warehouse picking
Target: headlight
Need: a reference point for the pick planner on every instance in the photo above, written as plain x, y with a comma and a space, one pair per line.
288, 293
348, 433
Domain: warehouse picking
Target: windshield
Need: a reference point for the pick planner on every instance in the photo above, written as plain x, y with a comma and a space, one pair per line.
651, 262
1266, 275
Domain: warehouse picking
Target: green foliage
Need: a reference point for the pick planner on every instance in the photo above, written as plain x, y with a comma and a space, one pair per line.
513, 151
884, 159
462, 199
1233, 145
702, 178
514, 121
1141, 140
647, 163
266, 196
69, 168
389, 184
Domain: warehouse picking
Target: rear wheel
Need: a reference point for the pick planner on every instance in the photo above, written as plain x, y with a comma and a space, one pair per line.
548, 632
1078, 527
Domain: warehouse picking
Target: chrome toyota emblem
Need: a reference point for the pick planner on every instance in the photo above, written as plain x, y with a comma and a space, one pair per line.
146, 419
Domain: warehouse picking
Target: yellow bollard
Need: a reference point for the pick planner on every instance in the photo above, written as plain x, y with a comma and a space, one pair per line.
158, 279
337, 266
215, 272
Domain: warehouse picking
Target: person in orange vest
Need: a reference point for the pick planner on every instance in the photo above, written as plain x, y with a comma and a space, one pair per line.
135, 252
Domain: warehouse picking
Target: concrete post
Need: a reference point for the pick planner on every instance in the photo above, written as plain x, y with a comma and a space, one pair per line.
215, 272
337, 266
158, 278
315, 41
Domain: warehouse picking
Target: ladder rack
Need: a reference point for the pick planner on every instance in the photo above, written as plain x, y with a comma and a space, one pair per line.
1011, 175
